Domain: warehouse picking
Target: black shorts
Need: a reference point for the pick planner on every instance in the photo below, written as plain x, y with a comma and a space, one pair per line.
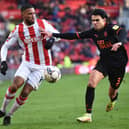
115, 75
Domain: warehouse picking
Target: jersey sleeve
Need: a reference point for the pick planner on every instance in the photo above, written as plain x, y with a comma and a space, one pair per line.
50, 28
69, 36
77, 35
86, 34
120, 33
12, 39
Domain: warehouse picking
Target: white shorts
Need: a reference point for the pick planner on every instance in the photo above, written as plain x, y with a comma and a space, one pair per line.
31, 73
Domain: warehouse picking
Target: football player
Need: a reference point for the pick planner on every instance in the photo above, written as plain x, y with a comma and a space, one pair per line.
109, 40
37, 55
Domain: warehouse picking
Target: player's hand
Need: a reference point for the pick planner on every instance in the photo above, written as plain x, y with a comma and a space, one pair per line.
4, 67
116, 46
45, 33
49, 43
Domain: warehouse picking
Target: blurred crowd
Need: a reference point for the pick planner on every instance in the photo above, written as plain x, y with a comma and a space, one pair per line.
66, 16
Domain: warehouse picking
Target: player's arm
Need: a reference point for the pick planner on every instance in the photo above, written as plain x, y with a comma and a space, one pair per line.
120, 34
69, 36
12, 39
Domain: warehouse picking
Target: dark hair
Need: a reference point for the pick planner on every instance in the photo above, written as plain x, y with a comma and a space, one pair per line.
27, 6
100, 12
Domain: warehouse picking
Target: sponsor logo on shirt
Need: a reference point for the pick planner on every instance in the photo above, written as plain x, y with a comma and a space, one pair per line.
104, 44
34, 39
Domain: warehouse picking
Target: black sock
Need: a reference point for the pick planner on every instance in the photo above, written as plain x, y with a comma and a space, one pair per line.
115, 98
89, 98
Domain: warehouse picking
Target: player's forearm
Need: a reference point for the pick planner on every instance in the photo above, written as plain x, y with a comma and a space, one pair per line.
116, 46
8, 43
4, 51
69, 36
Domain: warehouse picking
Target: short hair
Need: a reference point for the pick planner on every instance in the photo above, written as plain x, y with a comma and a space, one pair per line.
100, 12
27, 6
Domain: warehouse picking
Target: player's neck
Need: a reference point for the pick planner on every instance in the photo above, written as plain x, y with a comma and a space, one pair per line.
28, 23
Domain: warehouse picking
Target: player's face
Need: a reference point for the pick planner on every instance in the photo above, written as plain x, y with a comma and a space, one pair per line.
29, 16
98, 22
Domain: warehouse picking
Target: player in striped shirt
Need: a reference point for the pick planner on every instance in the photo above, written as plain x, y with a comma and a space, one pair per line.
35, 59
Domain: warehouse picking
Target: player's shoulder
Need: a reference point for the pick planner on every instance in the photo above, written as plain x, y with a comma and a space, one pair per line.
92, 30
20, 24
16, 28
14, 31
114, 27
41, 20
44, 21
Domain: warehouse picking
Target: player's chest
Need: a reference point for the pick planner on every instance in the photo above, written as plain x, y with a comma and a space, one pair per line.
32, 35
103, 40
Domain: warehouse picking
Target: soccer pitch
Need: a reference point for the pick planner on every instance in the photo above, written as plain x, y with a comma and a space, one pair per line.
56, 106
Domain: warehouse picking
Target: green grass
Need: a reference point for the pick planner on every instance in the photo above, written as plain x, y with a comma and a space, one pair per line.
56, 106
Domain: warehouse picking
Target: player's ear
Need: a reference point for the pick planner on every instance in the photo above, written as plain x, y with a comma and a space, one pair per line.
105, 20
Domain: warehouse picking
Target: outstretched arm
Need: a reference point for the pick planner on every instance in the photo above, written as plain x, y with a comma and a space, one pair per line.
69, 36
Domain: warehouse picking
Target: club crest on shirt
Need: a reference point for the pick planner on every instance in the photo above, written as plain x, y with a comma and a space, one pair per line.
115, 27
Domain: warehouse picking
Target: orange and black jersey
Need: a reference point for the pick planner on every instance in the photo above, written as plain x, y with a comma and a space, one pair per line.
104, 39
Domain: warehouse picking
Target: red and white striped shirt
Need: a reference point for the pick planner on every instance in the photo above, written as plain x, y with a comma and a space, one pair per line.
32, 41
